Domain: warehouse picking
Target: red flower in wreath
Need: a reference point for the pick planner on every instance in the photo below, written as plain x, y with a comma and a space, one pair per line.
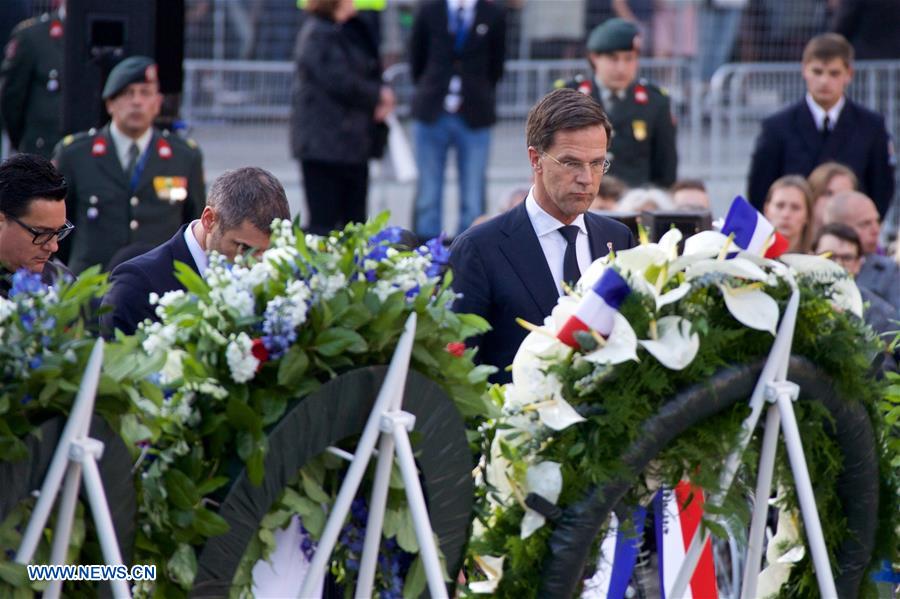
259, 351
457, 348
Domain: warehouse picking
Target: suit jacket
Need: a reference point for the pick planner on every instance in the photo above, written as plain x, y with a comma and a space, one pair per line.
871, 26
434, 62
502, 274
109, 216
881, 276
790, 144
642, 148
132, 282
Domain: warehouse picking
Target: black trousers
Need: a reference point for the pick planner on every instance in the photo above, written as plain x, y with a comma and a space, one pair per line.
335, 193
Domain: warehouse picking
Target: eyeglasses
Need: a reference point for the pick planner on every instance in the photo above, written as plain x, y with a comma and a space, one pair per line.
844, 258
574, 166
42, 236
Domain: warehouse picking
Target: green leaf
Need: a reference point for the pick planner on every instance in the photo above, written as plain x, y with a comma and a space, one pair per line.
209, 524
414, 585
13, 573
182, 565
188, 277
182, 491
333, 341
313, 490
241, 416
406, 534
292, 367
211, 484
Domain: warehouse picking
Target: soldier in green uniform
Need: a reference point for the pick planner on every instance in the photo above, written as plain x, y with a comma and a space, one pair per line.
30, 78
128, 182
642, 150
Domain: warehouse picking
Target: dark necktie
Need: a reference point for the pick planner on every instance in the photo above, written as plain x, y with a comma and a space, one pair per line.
571, 272
826, 127
133, 153
460, 30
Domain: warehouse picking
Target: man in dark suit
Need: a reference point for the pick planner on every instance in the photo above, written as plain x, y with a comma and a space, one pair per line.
825, 126
237, 218
457, 50
129, 182
514, 265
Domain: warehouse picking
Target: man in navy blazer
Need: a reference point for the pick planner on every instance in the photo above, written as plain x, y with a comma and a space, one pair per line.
514, 265
239, 211
825, 126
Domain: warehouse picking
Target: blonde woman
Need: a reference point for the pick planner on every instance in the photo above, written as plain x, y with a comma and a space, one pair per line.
788, 207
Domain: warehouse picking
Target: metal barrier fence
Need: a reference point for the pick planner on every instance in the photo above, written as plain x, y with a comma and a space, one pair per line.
741, 95
253, 91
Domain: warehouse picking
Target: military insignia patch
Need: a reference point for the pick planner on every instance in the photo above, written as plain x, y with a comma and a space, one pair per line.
56, 29
585, 87
164, 149
67, 139
171, 189
150, 74
639, 128
98, 148
640, 95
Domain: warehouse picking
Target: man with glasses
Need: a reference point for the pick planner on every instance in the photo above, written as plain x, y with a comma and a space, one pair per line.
643, 127
517, 264
130, 182
32, 218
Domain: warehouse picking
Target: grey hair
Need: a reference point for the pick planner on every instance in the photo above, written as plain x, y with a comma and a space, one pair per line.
249, 193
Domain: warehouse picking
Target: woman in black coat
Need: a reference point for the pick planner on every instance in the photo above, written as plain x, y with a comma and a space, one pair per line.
338, 99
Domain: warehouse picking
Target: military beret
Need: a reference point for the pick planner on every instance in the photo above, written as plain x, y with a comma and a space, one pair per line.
613, 35
134, 69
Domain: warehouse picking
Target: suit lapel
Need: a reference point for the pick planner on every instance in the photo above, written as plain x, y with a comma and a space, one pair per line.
596, 239
812, 137
523, 251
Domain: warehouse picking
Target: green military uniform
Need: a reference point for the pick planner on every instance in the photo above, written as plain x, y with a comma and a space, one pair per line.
642, 149
31, 75
109, 214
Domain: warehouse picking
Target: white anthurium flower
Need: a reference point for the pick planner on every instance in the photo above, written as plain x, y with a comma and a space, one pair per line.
668, 243
493, 568
497, 470
751, 307
558, 414
736, 267
846, 293
544, 479
675, 345
784, 550
593, 273
672, 296
621, 345
704, 245
641, 257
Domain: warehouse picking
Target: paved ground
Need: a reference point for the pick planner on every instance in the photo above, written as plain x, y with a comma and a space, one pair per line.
229, 146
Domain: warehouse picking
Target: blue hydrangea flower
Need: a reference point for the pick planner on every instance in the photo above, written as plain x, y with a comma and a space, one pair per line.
27, 282
280, 333
389, 235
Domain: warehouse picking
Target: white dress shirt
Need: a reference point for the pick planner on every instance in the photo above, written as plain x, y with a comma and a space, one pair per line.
123, 143
201, 260
818, 113
553, 243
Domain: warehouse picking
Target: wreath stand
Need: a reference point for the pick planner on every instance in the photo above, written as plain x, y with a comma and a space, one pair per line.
391, 424
76, 455
772, 388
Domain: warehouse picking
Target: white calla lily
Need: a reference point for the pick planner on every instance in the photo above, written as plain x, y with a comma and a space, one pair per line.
496, 471
846, 293
558, 414
672, 296
751, 307
593, 273
668, 243
621, 345
736, 267
639, 258
493, 568
675, 346
544, 479
707, 244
